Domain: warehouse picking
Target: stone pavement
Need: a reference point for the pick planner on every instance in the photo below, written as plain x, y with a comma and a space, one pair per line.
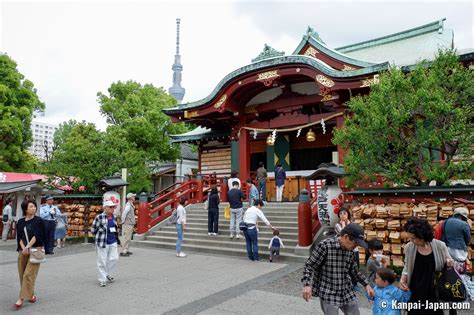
153, 282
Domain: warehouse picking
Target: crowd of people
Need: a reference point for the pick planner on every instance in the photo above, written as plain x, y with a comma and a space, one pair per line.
332, 268
331, 272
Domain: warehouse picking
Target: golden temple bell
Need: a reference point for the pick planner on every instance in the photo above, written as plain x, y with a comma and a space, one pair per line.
310, 136
269, 140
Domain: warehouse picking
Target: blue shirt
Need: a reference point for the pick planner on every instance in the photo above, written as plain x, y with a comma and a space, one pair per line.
45, 213
111, 239
384, 297
456, 233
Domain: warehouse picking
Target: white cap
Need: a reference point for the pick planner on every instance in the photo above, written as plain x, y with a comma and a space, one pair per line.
131, 195
462, 211
109, 203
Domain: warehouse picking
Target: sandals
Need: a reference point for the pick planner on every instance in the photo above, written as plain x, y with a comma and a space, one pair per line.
33, 299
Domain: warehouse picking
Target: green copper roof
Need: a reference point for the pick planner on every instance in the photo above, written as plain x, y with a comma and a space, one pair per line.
314, 40
277, 61
268, 52
417, 31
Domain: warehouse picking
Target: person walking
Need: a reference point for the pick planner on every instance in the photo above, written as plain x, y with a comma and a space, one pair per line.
48, 213
424, 256
274, 245
457, 236
280, 177
233, 178
128, 223
331, 268
60, 232
262, 181
29, 234
251, 234
253, 192
213, 212
235, 197
181, 225
105, 230
7, 219
386, 294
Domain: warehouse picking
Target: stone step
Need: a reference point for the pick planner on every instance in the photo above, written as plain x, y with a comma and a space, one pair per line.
264, 238
291, 214
225, 228
222, 221
219, 241
203, 215
240, 252
270, 206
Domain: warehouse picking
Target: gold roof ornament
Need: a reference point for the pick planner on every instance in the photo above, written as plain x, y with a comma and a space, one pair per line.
270, 140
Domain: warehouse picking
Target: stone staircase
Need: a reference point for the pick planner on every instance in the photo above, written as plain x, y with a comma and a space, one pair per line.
283, 216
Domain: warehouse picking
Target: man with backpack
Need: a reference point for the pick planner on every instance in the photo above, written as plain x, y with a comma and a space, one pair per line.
457, 235
235, 197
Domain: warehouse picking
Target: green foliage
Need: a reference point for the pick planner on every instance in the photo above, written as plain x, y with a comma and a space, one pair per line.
137, 134
18, 102
407, 120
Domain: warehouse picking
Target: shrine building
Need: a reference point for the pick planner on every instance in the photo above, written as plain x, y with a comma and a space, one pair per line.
284, 108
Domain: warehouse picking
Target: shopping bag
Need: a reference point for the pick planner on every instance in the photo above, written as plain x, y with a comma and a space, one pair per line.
227, 213
449, 286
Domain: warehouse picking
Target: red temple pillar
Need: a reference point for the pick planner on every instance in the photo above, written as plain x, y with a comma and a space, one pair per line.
244, 155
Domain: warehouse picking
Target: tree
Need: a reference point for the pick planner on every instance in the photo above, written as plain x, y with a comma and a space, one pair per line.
137, 110
408, 121
18, 102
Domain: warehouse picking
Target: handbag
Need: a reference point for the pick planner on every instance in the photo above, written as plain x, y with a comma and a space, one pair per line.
227, 213
243, 226
174, 217
449, 286
37, 254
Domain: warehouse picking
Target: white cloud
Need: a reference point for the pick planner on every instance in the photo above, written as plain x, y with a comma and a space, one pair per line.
71, 51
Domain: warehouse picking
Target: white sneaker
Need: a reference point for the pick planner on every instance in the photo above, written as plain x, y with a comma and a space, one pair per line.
103, 284
209, 233
231, 236
181, 255
238, 236
215, 234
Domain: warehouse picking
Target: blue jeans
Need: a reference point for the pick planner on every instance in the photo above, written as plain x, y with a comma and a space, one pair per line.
262, 188
49, 229
251, 239
179, 229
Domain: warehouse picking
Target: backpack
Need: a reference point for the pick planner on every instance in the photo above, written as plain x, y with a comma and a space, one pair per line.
174, 217
439, 230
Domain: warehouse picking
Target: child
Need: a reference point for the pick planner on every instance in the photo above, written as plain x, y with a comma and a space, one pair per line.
376, 260
275, 244
386, 292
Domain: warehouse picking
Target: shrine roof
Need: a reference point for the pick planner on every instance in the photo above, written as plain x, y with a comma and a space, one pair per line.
276, 61
199, 133
436, 26
314, 40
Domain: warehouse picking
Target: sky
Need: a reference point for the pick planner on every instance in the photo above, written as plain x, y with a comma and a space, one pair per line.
71, 50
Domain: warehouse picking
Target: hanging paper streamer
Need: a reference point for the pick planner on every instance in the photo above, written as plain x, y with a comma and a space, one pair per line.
298, 133
274, 135
323, 125
255, 133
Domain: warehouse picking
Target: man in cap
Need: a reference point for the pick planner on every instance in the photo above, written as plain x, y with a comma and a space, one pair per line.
49, 212
106, 239
332, 268
128, 223
457, 235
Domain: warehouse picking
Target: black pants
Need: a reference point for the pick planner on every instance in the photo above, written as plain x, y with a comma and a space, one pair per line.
213, 221
49, 228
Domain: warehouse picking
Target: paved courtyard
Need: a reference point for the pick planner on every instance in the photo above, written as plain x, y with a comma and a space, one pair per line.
156, 282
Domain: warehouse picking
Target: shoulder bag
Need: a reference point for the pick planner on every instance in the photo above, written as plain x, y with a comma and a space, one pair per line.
37, 254
449, 286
